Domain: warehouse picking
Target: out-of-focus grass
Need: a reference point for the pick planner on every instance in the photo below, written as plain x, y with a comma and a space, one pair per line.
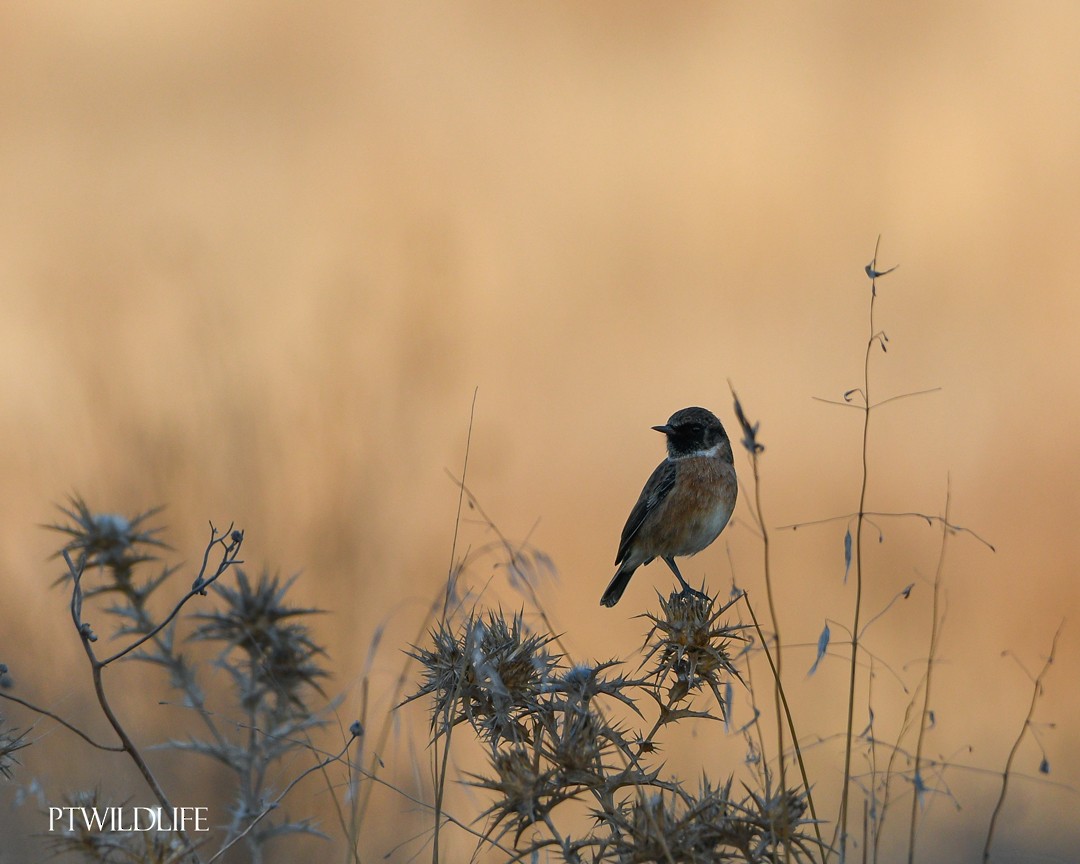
253, 263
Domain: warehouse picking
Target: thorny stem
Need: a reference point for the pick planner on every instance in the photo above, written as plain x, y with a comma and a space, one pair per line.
1036, 691
568, 854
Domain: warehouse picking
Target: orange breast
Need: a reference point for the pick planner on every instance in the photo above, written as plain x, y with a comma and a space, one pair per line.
694, 512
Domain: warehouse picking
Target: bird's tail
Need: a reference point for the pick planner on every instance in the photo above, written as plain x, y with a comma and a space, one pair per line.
617, 585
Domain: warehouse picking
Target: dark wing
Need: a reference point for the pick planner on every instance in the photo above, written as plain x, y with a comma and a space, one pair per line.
656, 490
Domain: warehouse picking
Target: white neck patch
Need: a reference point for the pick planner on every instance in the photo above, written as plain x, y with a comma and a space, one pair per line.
697, 454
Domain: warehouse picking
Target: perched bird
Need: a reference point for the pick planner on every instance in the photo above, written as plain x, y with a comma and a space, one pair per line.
686, 502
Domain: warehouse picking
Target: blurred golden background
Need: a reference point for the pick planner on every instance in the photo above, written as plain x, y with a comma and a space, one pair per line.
256, 257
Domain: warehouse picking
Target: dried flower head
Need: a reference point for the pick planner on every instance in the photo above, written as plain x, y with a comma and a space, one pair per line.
711, 826
676, 826
108, 541
527, 791
11, 741
779, 816
690, 645
279, 652
489, 672
574, 739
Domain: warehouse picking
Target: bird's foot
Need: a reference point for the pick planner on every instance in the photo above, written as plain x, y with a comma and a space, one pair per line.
693, 593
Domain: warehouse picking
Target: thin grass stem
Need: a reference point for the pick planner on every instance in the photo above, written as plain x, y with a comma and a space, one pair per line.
1036, 691
924, 715
875, 337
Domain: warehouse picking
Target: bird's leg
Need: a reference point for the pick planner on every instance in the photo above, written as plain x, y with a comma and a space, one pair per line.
685, 585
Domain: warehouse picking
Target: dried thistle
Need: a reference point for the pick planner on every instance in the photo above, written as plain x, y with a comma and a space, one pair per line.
583, 682
489, 672
279, 652
113, 544
689, 646
11, 741
574, 740
711, 826
528, 789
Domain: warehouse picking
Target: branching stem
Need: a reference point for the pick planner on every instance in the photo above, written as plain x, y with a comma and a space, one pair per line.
1036, 691
924, 716
845, 796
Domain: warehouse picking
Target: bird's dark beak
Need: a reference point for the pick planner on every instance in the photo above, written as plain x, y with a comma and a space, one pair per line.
667, 430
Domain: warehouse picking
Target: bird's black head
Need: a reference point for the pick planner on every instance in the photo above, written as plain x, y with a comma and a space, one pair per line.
695, 432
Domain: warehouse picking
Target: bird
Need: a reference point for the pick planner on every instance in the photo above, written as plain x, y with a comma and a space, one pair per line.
686, 502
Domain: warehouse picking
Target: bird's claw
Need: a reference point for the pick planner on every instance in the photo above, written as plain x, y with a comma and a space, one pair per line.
688, 592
